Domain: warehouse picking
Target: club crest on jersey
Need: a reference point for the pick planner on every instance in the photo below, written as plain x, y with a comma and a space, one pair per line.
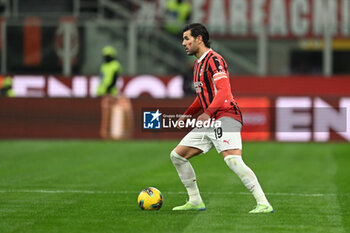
198, 86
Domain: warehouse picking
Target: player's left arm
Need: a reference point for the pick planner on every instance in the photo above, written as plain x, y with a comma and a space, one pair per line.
218, 69
223, 94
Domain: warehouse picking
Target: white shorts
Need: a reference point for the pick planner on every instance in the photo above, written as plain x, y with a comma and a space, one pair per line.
226, 137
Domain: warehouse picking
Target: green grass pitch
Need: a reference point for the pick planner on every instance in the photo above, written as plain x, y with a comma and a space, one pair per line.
92, 186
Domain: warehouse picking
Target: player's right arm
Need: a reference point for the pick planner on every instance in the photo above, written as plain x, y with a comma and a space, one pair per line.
194, 108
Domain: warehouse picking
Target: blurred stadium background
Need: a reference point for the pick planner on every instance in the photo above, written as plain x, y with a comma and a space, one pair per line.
290, 73
280, 54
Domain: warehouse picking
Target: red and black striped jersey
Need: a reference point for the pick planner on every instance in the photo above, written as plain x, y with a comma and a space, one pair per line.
212, 85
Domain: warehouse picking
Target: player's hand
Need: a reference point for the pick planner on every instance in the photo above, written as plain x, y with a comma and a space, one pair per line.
203, 117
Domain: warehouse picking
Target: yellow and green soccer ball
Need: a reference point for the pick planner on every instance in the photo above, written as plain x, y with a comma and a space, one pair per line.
150, 199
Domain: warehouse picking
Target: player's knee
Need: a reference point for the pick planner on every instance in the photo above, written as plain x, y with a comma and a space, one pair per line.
176, 158
236, 163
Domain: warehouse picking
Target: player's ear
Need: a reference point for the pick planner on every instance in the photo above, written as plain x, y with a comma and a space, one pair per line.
200, 38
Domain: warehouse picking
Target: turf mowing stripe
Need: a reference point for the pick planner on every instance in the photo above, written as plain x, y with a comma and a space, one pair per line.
332, 169
133, 192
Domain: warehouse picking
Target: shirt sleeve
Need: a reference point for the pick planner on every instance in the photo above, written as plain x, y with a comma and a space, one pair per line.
194, 108
223, 94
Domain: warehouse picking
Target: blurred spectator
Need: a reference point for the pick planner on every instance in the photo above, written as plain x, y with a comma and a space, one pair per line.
6, 87
116, 110
110, 71
178, 13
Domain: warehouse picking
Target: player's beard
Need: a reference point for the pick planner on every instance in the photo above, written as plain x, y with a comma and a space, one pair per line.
191, 52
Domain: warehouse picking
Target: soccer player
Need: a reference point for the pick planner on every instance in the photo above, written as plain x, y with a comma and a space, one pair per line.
214, 97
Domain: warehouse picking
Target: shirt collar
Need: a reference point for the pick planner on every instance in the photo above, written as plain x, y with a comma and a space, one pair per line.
203, 56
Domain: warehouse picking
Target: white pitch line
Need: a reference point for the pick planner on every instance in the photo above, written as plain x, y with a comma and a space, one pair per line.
134, 192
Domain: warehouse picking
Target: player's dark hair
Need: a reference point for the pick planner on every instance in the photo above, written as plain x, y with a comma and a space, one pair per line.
198, 29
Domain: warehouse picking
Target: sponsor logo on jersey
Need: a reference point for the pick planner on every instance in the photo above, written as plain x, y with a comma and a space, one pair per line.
198, 86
